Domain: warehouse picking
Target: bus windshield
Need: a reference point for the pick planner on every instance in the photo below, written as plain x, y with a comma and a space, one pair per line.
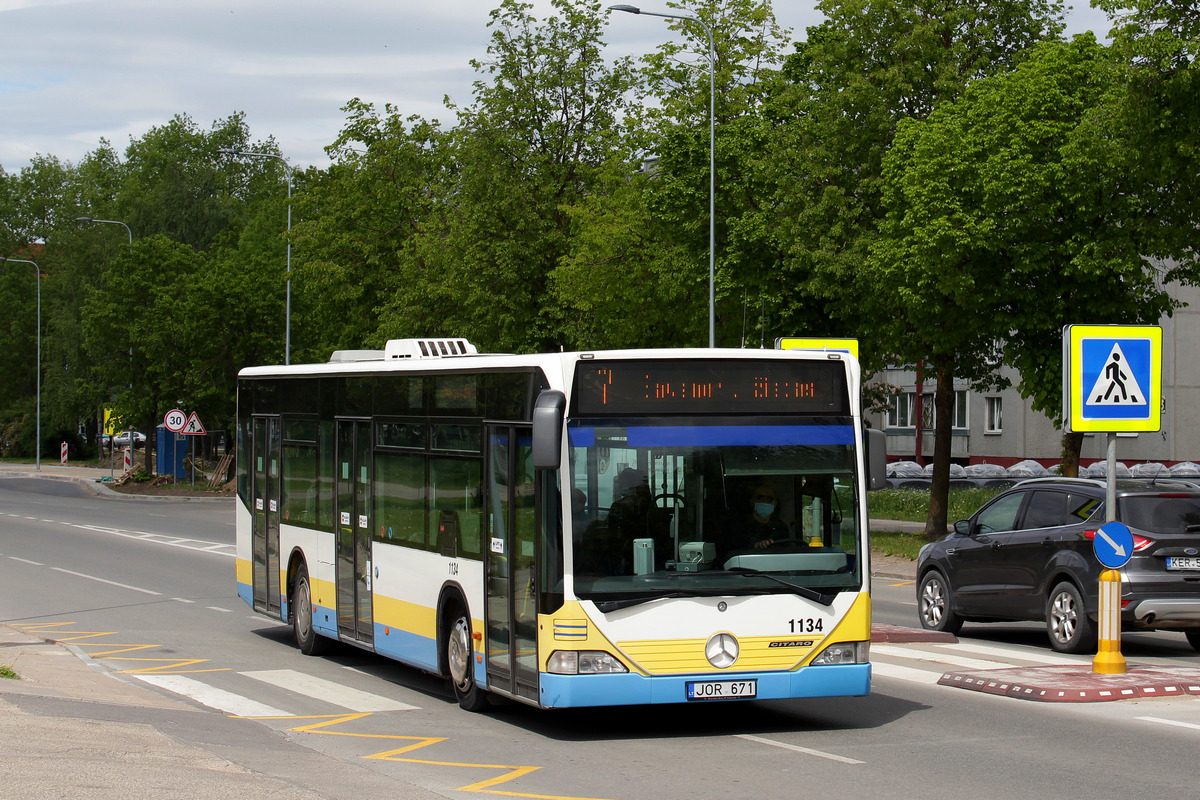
712, 506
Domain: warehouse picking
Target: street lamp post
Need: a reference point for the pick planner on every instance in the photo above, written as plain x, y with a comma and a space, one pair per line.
132, 444
712, 159
37, 447
108, 222
287, 341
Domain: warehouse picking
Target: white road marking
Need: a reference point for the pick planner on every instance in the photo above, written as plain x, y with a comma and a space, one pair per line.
1022, 654
806, 750
1190, 725
104, 580
327, 691
197, 545
218, 608
213, 697
950, 660
879, 669
27, 561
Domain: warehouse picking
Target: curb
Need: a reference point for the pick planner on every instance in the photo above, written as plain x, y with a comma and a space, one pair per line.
1078, 684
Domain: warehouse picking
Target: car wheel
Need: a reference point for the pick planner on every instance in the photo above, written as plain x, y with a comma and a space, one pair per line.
308, 640
460, 661
1193, 637
1067, 623
934, 600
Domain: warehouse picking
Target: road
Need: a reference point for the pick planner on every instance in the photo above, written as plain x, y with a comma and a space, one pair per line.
147, 589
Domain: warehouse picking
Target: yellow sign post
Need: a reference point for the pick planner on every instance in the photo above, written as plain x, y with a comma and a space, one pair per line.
1108, 660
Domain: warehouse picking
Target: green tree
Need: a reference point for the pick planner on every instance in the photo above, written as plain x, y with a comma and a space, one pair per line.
540, 129
869, 67
1007, 214
138, 331
360, 230
646, 224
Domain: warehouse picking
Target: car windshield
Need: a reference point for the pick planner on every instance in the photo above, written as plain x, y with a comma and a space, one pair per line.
718, 507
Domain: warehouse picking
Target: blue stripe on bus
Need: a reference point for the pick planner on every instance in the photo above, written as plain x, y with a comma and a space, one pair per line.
713, 435
575, 691
743, 435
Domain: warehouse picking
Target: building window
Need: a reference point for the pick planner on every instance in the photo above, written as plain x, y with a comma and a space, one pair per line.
995, 415
900, 413
960, 410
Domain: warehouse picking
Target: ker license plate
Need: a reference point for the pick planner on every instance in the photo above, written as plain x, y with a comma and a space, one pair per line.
1183, 562
721, 690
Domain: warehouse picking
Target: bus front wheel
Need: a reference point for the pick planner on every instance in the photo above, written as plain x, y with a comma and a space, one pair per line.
308, 640
460, 657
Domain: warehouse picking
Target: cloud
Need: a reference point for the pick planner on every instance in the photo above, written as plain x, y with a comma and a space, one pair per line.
76, 71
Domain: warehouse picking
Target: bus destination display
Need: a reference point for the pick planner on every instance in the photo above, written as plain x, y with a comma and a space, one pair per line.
707, 387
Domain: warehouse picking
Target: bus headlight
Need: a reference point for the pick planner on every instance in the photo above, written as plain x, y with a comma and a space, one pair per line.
583, 662
844, 653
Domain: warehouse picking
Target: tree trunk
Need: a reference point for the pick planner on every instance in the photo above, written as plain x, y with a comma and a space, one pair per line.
943, 424
1072, 443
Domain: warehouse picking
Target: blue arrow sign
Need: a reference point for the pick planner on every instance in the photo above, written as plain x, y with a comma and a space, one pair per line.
1113, 544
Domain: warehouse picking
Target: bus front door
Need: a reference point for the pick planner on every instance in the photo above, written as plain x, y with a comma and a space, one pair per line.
511, 553
267, 450
354, 610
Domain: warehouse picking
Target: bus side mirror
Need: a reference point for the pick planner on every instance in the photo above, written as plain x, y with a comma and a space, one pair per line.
876, 447
548, 413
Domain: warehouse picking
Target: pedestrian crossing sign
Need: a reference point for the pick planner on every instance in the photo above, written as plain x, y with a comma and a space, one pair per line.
1112, 378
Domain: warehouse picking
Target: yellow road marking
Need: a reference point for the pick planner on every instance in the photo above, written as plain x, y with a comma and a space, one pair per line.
174, 666
511, 771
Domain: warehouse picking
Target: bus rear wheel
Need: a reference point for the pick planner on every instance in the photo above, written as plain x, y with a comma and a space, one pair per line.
308, 640
460, 658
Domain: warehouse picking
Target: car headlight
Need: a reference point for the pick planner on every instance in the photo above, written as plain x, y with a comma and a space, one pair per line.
844, 653
583, 662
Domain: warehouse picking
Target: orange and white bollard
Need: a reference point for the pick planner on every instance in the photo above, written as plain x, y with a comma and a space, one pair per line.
1108, 660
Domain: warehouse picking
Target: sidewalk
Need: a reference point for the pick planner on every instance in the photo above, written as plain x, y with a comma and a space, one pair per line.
95, 479
72, 729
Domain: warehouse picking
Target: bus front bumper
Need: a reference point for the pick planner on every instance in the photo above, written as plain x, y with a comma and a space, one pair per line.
575, 691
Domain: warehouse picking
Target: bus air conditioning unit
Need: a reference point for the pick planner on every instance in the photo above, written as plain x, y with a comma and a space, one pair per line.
428, 348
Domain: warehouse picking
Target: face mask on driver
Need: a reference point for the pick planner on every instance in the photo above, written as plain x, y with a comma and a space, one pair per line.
764, 509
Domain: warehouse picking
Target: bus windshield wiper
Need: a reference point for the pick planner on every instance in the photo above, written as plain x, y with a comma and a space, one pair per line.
803, 591
614, 605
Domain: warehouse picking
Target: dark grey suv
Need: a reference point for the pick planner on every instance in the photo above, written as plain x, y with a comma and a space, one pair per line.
1028, 555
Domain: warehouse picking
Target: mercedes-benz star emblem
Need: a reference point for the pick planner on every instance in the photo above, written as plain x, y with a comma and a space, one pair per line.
721, 650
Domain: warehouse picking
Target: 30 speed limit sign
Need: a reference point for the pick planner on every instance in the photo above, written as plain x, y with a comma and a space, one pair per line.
175, 420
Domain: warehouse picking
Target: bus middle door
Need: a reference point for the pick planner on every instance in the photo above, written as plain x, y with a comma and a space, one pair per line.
511, 554
266, 489
354, 606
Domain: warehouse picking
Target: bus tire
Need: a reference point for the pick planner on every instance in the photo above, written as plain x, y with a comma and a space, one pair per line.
307, 639
460, 662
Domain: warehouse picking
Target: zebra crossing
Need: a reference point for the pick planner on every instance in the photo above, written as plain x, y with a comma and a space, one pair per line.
927, 662
299, 689
287, 692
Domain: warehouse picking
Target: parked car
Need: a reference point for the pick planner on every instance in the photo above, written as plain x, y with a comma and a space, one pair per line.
1028, 555
121, 439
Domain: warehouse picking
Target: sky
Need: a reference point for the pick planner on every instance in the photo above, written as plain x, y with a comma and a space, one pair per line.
74, 72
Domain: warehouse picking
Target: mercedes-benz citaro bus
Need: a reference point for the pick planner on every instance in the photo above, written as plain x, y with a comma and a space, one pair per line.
567, 529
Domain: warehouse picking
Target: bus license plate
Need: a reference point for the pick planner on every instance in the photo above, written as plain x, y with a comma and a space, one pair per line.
1181, 562
721, 690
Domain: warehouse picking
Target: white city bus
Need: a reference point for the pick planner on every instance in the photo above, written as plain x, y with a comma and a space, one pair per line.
567, 529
